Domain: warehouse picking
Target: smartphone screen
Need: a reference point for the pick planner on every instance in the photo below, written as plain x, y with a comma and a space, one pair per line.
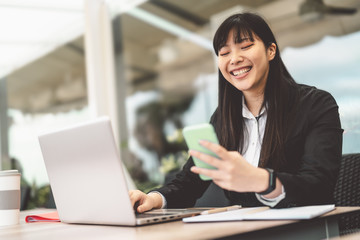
193, 134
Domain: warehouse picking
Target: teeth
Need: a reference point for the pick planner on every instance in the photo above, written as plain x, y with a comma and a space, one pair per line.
241, 71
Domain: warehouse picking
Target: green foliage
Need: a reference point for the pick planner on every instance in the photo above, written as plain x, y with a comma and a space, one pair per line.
146, 186
39, 196
173, 162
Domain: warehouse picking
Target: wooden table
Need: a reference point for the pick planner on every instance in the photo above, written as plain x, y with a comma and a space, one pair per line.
318, 228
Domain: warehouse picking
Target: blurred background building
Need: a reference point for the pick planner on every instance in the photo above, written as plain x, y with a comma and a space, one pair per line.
164, 73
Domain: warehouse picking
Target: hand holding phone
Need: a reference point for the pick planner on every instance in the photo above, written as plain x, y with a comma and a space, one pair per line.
193, 134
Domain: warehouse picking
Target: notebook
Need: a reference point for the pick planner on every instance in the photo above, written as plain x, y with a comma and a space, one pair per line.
87, 179
264, 213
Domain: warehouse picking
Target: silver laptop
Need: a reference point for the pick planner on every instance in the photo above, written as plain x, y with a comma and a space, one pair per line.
87, 179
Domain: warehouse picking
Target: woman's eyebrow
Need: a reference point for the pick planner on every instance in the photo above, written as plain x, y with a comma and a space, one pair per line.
245, 39
223, 46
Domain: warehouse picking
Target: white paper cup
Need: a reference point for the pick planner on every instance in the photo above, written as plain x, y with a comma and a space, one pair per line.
9, 197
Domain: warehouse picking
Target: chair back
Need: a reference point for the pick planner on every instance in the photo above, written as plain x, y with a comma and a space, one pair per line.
347, 191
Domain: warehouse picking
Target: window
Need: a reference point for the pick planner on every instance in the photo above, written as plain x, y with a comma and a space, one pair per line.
332, 65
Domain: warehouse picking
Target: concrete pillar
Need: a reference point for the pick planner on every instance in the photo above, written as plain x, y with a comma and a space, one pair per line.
4, 145
105, 77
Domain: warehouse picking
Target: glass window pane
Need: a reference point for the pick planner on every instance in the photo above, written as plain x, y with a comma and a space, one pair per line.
332, 65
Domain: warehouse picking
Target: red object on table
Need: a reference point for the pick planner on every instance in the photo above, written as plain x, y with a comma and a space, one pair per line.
44, 217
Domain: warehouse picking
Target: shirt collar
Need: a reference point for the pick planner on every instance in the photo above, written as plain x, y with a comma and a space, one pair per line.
246, 112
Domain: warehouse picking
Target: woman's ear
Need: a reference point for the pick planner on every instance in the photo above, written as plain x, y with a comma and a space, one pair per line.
271, 51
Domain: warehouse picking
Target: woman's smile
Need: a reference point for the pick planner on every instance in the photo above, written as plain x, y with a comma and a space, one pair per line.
241, 72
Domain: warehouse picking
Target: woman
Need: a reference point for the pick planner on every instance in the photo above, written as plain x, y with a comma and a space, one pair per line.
280, 142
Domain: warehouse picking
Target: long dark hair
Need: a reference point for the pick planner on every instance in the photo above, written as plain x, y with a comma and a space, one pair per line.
279, 97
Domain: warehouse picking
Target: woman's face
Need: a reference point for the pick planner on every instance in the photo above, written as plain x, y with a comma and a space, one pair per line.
246, 64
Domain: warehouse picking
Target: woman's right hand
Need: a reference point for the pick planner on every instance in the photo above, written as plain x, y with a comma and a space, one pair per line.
145, 202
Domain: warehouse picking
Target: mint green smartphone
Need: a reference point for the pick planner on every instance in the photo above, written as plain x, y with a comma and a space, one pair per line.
193, 134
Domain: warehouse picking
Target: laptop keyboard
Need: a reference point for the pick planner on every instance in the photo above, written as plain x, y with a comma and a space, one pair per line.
144, 215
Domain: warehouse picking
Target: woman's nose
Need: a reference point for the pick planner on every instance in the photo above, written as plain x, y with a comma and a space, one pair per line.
236, 58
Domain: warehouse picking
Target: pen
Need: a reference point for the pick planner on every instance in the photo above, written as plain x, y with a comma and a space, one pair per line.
224, 209
258, 209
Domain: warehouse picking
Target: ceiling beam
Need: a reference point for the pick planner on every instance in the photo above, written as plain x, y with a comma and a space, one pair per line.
186, 15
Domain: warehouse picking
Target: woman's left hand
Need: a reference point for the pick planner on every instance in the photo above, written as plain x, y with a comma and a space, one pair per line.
233, 172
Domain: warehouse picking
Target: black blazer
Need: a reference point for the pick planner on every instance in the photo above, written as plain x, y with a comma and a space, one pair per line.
312, 152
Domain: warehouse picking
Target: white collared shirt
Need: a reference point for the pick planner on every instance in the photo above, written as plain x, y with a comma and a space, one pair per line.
254, 135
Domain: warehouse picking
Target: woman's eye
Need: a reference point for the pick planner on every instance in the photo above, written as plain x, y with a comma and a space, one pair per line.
224, 54
247, 46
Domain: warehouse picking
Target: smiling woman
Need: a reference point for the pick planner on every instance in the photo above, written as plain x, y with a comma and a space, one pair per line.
280, 142
244, 63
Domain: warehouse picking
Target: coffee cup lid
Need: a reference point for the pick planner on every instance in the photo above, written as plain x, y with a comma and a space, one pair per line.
9, 173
